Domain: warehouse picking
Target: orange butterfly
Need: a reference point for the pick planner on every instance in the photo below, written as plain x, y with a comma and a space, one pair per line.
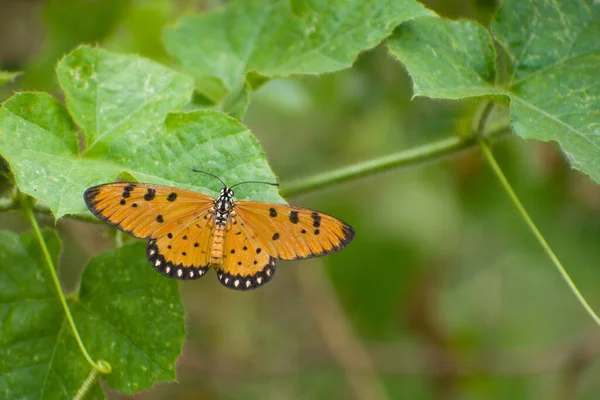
188, 232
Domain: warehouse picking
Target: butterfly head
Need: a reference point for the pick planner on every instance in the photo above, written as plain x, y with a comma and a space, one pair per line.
224, 203
227, 192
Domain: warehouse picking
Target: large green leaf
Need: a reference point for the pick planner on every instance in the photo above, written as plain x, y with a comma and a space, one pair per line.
39, 358
126, 314
276, 38
552, 83
132, 317
120, 104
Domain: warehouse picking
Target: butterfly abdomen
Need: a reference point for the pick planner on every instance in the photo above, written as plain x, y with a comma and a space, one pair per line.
216, 247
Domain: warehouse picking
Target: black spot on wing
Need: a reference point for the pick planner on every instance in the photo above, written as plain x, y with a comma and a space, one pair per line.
294, 217
316, 219
150, 195
172, 196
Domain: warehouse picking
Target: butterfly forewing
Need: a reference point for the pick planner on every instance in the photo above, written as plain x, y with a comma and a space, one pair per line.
293, 233
144, 210
178, 223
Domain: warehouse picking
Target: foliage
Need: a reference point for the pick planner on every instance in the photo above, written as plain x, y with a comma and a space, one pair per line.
39, 355
533, 71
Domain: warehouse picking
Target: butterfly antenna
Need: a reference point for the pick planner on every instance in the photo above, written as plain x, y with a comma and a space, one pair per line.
214, 176
266, 183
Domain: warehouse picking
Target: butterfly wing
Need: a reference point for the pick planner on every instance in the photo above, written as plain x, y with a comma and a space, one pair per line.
258, 233
246, 263
293, 233
177, 223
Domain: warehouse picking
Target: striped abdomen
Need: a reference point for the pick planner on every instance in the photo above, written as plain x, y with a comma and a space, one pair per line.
216, 247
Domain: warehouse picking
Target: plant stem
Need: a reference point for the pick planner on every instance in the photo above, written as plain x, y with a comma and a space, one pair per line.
102, 366
425, 153
513, 196
485, 115
87, 384
118, 239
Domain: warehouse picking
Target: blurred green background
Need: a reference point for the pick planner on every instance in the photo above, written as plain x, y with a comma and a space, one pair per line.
444, 294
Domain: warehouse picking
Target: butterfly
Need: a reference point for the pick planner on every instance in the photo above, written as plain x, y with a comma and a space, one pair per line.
189, 232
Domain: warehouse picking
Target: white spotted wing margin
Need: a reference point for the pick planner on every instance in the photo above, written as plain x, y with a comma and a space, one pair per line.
248, 282
167, 268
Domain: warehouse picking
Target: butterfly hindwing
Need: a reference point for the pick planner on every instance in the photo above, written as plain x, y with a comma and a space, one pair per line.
293, 233
177, 223
246, 265
185, 254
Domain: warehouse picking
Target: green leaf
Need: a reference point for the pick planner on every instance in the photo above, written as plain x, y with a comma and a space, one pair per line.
126, 314
132, 317
279, 39
552, 82
6, 76
112, 95
446, 59
120, 103
38, 354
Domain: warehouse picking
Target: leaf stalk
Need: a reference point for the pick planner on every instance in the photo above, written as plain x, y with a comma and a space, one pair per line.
489, 156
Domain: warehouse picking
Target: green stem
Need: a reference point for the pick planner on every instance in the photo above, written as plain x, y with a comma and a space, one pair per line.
119, 239
102, 366
87, 384
513, 196
428, 152
485, 115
